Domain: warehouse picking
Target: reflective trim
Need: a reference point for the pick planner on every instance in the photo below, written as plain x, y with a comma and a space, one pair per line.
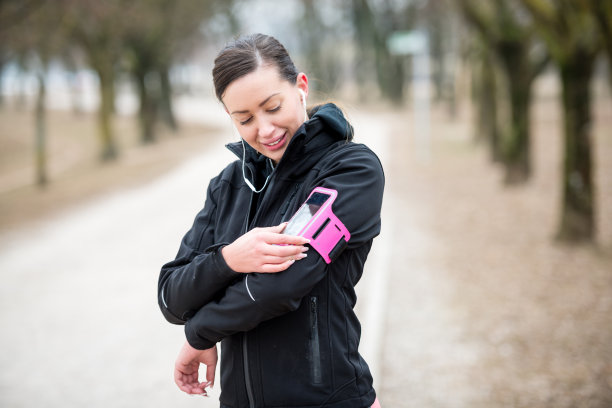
246, 282
163, 299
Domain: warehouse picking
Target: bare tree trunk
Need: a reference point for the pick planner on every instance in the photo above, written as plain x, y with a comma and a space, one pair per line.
106, 77
578, 214
364, 27
148, 107
372, 42
2, 62
603, 15
516, 152
485, 89
166, 107
518, 162
41, 133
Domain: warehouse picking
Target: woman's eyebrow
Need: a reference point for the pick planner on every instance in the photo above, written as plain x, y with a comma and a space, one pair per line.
261, 104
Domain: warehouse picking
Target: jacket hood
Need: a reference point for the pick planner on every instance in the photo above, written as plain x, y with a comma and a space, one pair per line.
326, 125
333, 120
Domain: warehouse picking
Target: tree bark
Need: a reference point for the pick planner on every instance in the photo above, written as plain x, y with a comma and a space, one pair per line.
578, 213
2, 62
516, 151
104, 70
148, 106
41, 133
485, 85
167, 108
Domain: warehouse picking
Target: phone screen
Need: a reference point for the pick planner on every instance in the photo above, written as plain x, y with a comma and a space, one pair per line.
305, 213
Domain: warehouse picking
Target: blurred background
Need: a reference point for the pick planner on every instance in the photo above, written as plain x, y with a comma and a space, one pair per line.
491, 282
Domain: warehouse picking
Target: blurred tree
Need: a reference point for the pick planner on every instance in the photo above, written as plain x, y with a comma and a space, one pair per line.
4, 58
570, 32
603, 13
34, 50
71, 61
98, 28
13, 14
510, 36
373, 27
444, 45
320, 43
160, 31
484, 97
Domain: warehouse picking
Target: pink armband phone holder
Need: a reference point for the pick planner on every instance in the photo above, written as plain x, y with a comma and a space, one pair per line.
316, 221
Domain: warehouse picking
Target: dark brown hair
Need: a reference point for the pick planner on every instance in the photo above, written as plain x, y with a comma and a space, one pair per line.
247, 53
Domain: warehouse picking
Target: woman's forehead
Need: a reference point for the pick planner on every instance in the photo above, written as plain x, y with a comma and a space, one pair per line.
254, 88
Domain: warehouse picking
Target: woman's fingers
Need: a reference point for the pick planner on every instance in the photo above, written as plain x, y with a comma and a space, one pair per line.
282, 239
276, 267
264, 246
187, 382
283, 260
284, 251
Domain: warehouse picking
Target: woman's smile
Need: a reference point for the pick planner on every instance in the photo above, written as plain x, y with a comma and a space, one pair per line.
266, 109
278, 143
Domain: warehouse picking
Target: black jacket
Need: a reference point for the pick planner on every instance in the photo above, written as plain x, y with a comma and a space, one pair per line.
288, 339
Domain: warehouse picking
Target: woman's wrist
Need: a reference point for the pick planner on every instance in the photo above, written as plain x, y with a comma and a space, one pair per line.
227, 254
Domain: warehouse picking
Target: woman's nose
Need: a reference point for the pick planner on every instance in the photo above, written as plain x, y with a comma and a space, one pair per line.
265, 128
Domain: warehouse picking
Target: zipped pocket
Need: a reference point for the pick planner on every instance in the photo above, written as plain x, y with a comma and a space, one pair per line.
315, 350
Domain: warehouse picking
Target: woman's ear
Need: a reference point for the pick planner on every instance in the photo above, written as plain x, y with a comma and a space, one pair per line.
302, 83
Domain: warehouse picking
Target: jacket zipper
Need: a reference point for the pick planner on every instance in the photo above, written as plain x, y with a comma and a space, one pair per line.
247, 375
245, 355
315, 350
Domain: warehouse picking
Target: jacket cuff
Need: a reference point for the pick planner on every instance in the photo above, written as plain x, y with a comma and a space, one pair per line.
196, 341
221, 266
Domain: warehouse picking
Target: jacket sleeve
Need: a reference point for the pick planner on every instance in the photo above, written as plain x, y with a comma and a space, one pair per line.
358, 177
199, 273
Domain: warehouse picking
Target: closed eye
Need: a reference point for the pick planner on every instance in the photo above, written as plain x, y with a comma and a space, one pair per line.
247, 121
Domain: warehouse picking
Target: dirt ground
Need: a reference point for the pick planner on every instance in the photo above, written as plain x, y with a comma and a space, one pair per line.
484, 308
523, 321
75, 174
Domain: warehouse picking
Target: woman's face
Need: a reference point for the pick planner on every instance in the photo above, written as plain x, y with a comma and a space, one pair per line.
266, 109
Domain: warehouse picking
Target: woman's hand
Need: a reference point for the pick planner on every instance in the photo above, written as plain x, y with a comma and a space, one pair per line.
264, 250
187, 365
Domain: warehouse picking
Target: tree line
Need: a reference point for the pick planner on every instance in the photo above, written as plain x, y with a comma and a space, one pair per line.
142, 38
145, 38
512, 43
517, 39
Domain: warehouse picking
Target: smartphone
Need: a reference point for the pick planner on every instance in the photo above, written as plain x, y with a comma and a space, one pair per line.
316, 221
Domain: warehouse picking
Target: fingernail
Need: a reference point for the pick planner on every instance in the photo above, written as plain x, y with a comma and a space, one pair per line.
302, 256
304, 249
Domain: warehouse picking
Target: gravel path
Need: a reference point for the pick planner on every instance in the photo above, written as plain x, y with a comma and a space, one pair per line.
466, 300
78, 307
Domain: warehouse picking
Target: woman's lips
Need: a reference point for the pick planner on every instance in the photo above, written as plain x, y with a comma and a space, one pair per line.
277, 144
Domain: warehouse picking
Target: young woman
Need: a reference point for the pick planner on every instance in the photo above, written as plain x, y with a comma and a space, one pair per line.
284, 317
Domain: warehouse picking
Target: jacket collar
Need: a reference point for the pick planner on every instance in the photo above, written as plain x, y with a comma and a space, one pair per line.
326, 126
